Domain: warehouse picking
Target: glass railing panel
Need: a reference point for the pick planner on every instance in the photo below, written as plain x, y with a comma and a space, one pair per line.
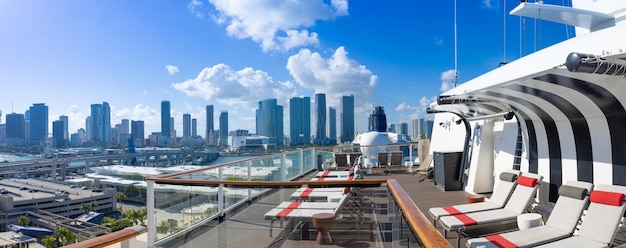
178, 207
368, 217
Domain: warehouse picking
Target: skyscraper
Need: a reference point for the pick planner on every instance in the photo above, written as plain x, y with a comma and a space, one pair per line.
38, 124
137, 132
165, 123
332, 126
320, 119
57, 134
300, 121
65, 120
404, 130
346, 118
16, 130
100, 124
224, 128
209, 134
186, 125
378, 120
269, 119
194, 127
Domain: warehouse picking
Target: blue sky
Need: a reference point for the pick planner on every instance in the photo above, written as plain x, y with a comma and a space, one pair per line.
232, 54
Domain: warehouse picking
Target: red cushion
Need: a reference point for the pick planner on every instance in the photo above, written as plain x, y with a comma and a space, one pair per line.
306, 193
500, 242
351, 169
350, 178
294, 205
451, 210
608, 198
466, 220
346, 190
527, 181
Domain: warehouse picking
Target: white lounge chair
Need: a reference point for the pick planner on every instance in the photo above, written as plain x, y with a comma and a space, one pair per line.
304, 211
345, 174
527, 185
600, 224
499, 197
565, 216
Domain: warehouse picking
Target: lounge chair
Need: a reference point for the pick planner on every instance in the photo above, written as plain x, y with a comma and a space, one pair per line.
341, 160
522, 196
499, 197
345, 174
395, 159
424, 168
600, 224
304, 211
383, 159
565, 216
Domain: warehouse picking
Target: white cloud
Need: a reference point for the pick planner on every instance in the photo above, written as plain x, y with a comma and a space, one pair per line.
75, 119
171, 69
151, 117
236, 88
487, 4
335, 76
438, 41
447, 80
276, 25
192, 7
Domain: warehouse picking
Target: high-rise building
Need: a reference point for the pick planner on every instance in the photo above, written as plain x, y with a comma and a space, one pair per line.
137, 132
186, 125
224, 128
269, 119
422, 127
65, 120
346, 119
332, 126
391, 127
210, 129
194, 127
300, 121
100, 124
57, 134
404, 130
15, 130
165, 123
378, 120
416, 132
125, 127
320, 119
38, 124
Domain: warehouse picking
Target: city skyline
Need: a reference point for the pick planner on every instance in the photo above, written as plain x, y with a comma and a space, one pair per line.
71, 54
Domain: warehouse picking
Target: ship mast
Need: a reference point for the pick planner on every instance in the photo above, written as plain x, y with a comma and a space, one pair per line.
456, 71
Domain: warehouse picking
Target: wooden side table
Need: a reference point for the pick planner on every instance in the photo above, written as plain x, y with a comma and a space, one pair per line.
475, 198
323, 222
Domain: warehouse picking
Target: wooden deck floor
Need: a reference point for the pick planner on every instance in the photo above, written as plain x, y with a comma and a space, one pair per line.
248, 228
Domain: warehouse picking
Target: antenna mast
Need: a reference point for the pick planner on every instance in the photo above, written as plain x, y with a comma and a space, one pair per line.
456, 71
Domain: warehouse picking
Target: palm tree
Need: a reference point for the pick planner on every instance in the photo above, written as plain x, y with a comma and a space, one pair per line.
88, 207
22, 220
120, 197
49, 242
137, 216
65, 236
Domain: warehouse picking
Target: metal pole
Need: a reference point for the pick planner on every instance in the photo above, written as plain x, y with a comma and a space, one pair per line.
151, 218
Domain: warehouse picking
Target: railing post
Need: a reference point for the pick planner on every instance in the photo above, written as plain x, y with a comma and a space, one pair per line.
151, 218
283, 167
314, 165
301, 159
411, 152
249, 163
220, 193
